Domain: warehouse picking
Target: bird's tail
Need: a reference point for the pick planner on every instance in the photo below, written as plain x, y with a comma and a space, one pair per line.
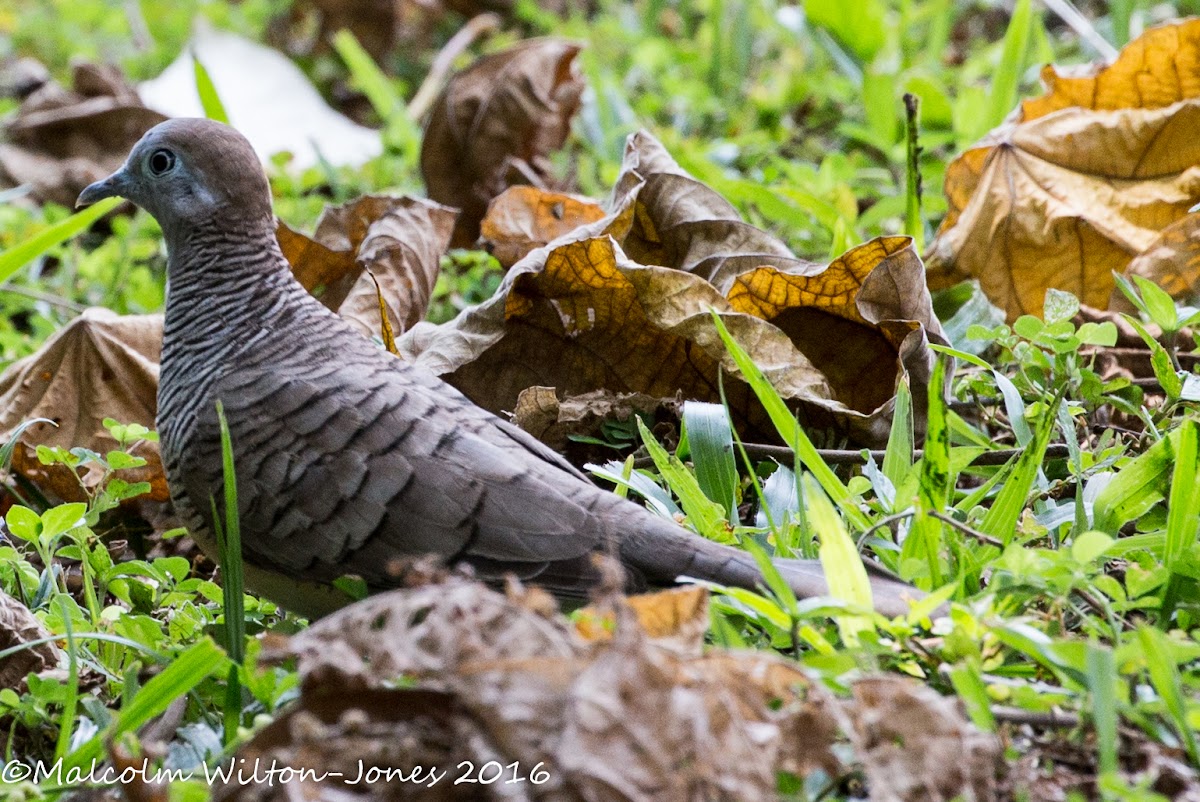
663, 551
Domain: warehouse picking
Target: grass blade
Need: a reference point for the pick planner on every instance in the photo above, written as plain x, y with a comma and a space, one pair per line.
1001, 518
19, 255
710, 443
790, 430
183, 674
933, 488
1007, 79
1164, 676
229, 552
843, 566
898, 458
705, 515
210, 101
1102, 681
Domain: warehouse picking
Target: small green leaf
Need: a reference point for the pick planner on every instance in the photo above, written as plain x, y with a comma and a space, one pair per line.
119, 460
1090, 546
1159, 305
1028, 326
62, 518
23, 523
1059, 306
1103, 334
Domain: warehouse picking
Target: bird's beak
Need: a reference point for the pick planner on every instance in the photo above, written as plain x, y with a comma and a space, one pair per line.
111, 187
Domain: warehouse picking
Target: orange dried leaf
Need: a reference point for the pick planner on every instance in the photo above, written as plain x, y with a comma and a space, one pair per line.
523, 218
400, 240
1081, 184
1160, 67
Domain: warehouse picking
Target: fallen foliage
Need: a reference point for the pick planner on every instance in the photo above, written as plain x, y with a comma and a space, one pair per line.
637, 710
1098, 173
398, 240
495, 125
18, 626
622, 304
101, 365
62, 139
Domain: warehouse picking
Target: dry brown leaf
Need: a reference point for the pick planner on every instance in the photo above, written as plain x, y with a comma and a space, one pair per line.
380, 26
626, 718
495, 125
1160, 67
62, 140
99, 366
1084, 180
581, 315
427, 633
539, 412
853, 319
18, 626
677, 618
903, 733
523, 218
1172, 261
400, 240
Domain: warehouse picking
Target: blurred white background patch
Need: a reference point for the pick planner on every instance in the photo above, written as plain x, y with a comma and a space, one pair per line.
267, 98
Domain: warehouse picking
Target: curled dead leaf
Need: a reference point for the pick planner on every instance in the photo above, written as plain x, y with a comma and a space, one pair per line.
903, 733
101, 365
401, 241
1086, 178
539, 412
62, 140
523, 218
19, 626
1171, 260
491, 679
495, 125
581, 314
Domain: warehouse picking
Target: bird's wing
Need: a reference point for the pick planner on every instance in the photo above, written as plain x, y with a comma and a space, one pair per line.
348, 466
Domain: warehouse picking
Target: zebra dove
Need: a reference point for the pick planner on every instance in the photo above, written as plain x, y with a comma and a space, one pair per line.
348, 458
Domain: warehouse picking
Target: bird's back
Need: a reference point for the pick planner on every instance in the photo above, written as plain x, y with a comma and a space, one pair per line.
348, 458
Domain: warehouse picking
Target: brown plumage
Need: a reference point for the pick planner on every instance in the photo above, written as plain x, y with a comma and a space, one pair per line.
347, 457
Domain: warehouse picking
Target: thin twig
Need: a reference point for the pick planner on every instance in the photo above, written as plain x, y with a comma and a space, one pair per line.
966, 530
45, 297
888, 521
476, 28
1049, 718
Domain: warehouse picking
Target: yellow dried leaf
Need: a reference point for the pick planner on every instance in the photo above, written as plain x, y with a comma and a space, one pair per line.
1061, 200
1161, 67
677, 615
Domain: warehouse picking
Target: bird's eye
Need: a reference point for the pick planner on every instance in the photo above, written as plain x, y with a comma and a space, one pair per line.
161, 161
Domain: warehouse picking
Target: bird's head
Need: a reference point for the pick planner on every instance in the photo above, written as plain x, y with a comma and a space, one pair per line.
191, 173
